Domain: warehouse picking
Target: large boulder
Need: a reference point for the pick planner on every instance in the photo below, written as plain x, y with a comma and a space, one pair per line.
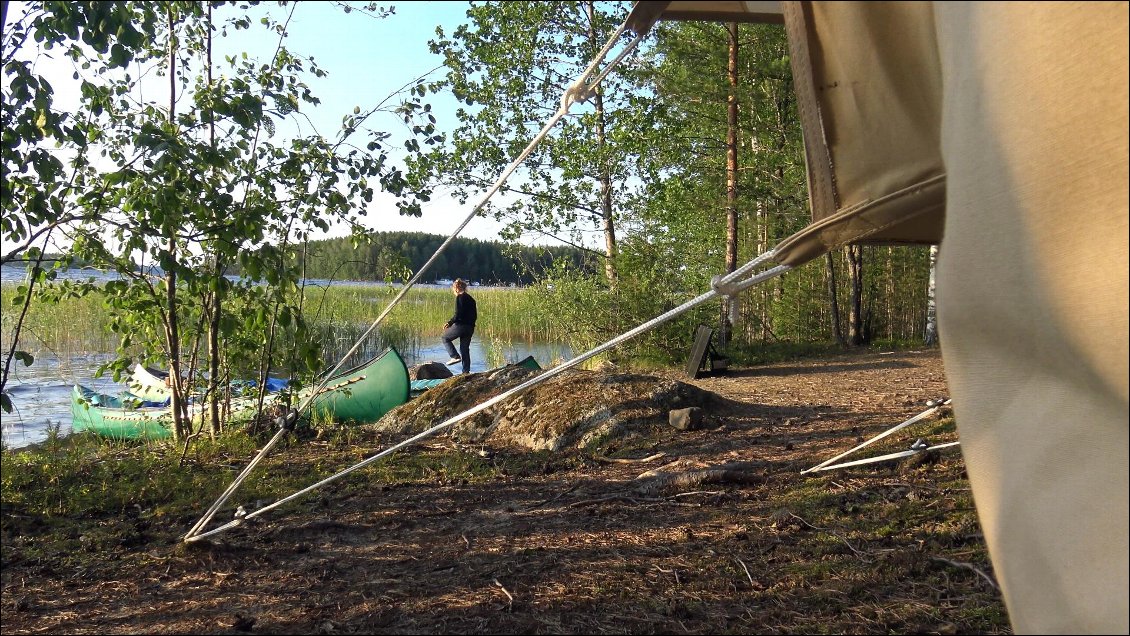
429, 371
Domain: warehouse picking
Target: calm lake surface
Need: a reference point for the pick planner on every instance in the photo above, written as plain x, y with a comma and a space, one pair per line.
17, 274
41, 393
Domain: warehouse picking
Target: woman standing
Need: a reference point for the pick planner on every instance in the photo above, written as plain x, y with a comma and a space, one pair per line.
461, 325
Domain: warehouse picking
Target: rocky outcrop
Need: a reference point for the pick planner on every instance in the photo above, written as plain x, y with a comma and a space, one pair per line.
575, 409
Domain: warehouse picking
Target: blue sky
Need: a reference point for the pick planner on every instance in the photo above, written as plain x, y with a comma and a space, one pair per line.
367, 59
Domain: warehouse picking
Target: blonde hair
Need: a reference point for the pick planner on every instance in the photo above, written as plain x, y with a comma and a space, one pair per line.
459, 284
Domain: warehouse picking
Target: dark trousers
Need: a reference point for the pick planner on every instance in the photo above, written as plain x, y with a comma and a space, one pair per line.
463, 333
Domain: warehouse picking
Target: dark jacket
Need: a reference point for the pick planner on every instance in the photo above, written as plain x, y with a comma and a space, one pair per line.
466, 312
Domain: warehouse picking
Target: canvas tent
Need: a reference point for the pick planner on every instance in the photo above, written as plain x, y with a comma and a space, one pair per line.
998, 130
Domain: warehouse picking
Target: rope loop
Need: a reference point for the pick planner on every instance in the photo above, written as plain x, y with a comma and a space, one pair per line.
724, 287
578, 92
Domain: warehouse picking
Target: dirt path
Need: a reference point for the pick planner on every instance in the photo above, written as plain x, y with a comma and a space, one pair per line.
572, 544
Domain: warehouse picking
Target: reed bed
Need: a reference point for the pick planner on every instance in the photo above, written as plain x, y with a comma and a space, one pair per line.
345, 313
73, 325
509, 314
339, 315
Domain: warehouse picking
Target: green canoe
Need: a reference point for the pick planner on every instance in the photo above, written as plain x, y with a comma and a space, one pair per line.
361, 395
120, 417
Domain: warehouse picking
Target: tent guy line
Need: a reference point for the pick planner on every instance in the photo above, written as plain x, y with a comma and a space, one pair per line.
768, 274
579, 91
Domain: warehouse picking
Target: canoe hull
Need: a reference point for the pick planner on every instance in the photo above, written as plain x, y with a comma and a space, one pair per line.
361, 395
117, 422
365, 393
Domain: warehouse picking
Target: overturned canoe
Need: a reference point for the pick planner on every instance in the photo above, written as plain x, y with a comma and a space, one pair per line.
363, 394
151, 384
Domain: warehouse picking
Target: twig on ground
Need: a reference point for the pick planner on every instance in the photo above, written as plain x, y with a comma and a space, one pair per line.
861, 555
671, 571
969, 566
906, 485
504, 591
553, 499
747, 574
586, 502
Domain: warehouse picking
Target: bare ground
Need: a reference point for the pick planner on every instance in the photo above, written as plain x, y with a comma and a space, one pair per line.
575, 541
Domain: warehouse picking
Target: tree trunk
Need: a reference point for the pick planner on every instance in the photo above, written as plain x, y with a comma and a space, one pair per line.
214, 415
931, 306
172, 327
728, 304
856, 337
607, 221
833, 300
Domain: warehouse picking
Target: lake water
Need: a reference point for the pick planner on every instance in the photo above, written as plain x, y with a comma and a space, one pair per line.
18, 274
41, 393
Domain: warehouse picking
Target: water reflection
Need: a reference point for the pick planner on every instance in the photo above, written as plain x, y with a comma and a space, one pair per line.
41, 395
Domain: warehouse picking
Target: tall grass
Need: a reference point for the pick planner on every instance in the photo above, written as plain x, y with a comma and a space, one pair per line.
504, 314
73, 325
338, 314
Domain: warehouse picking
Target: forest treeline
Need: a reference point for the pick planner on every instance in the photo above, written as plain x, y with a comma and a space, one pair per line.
395, 256
689, 164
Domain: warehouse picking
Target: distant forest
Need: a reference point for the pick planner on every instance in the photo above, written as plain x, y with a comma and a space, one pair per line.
395, 256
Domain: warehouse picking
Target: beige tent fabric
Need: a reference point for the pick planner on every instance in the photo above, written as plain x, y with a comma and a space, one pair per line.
1007, 122
869, 91
1032, 291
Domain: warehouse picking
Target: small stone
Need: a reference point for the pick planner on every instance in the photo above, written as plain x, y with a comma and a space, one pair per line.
688, 419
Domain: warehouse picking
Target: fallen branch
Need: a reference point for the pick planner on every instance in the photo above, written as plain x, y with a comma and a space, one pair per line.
585, 502
642, 500
654, 482
624, 460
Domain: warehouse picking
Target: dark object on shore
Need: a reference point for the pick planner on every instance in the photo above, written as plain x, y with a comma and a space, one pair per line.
704, 359
429, 371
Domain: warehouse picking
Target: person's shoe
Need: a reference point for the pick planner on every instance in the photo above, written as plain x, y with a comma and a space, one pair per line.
454, 360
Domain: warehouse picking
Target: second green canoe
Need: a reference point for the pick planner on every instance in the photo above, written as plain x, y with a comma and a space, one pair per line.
360, 395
